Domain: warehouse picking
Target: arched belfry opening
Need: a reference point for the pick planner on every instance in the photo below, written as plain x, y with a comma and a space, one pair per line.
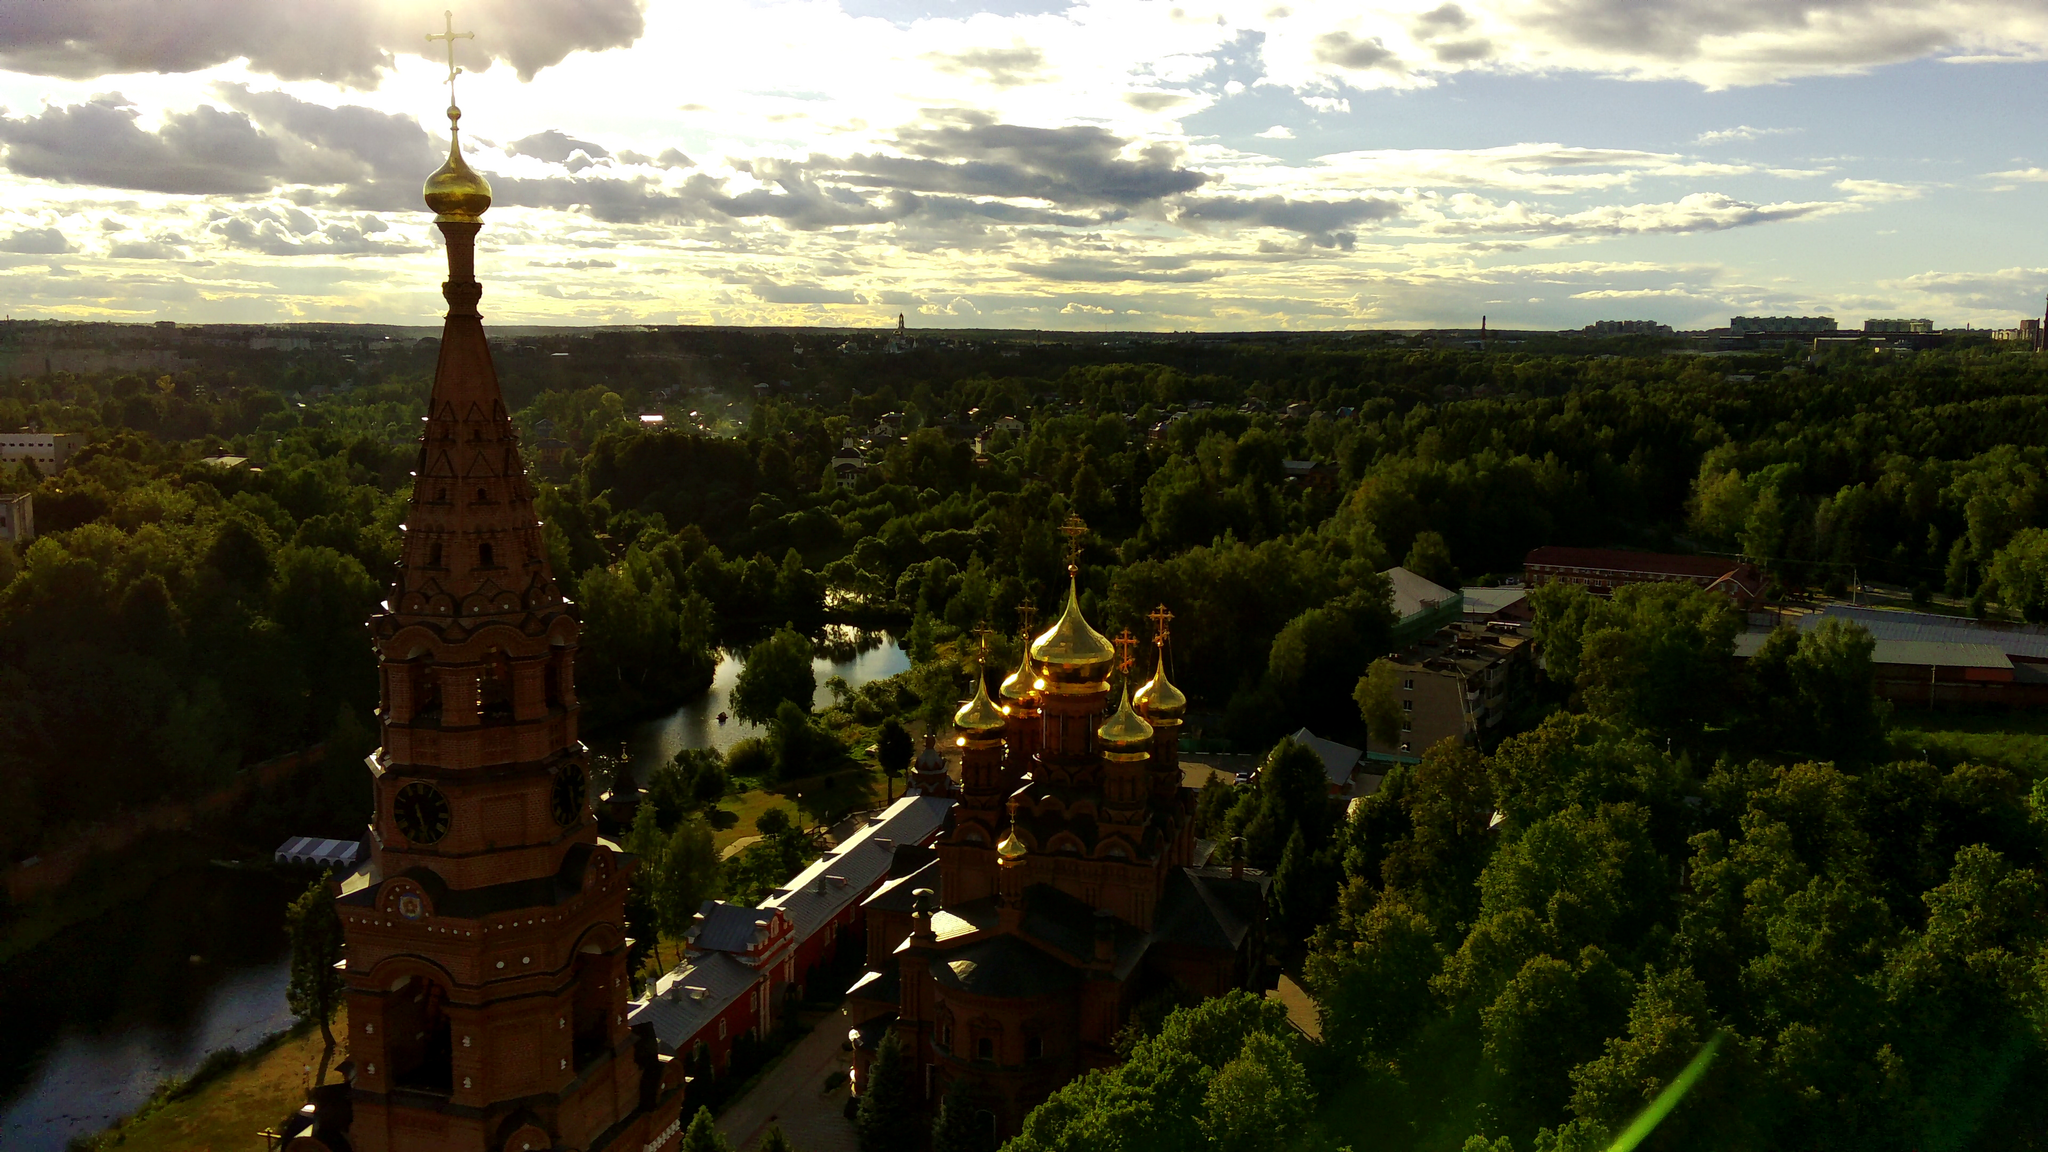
419, 1045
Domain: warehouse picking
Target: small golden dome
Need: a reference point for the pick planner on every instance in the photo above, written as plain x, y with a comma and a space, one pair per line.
1159, 699
1017, 685
979, 715
1012, 848
455, 192
1125, 730
1072, 652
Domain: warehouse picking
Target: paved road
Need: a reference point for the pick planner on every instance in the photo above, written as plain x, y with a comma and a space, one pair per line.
790, 1095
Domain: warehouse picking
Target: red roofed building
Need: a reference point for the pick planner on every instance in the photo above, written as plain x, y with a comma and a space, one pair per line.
1602, 570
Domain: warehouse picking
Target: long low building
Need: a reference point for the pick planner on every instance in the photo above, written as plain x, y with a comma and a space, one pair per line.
743, 964
1936, 673
1602, 570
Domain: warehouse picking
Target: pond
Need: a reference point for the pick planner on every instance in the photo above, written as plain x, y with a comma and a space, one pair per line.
94, 1019
856, 657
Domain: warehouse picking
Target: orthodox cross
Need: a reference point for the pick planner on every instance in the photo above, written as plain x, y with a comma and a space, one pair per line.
984, 631
1027, 615
1074, 529
1160, 618
451, 36
1124, 643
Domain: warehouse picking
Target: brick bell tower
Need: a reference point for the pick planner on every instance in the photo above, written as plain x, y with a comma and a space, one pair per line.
485, 961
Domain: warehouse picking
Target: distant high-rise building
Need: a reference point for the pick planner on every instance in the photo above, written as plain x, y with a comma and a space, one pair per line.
1915, 327
1626, 328
1742, 325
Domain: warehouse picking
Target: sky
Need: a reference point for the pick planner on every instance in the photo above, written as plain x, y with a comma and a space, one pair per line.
1160, 165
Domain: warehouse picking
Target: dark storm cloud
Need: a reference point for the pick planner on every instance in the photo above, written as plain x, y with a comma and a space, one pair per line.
1325, 222
974, 155
361, 142
37, 242
555, 147
204, 150
344, 41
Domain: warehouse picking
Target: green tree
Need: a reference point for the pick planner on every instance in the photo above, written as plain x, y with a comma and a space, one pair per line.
885, 1119
774, 1141
1814, 693
1658, 656
2021, 569
1260, 1100
315, 989
1379, 701
778, 669
894, 752
1430, 558
1372, 991
703, 1135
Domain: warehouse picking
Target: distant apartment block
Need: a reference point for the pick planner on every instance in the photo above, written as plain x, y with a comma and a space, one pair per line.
1758, 325
1899, 327
1460, 682
17, 517
50, 450
1626, 328
1602, 570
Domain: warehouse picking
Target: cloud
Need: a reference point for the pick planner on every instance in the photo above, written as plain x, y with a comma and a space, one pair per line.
1740, 132
1465, 214
1094, 270
37, 242
999, 67
348, 42
974, 154
1324, 222
146, 250
204, 150
1356, 54
292, 231
350, 143
555, 147
1276, 132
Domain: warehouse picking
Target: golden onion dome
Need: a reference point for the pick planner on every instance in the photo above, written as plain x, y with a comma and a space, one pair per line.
1125, 730
1072, 652
455, 192
979, 715
1017, 685
1159, 699
1012, 848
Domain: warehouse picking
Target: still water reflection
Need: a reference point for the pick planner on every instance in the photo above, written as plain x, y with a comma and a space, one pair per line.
856, 657
92, 1021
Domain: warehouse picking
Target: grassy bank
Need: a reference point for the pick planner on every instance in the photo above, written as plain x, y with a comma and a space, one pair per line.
2015, 740
229, 1102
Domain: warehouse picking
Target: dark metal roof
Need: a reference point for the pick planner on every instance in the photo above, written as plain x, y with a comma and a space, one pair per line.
1205, 908
1006, 967
726, 927
684, 1001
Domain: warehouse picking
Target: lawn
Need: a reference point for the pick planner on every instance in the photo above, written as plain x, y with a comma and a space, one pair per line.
233, 1110
2015, 740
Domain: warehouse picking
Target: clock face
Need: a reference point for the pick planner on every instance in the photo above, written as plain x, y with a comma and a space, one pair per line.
421, 812
568, 794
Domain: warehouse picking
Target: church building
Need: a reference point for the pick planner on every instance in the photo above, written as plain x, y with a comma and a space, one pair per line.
1068, 886
485, 959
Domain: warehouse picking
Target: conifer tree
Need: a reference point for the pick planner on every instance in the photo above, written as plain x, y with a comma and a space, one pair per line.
885, 1120
703, 1135
774, 1141
957, 1128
